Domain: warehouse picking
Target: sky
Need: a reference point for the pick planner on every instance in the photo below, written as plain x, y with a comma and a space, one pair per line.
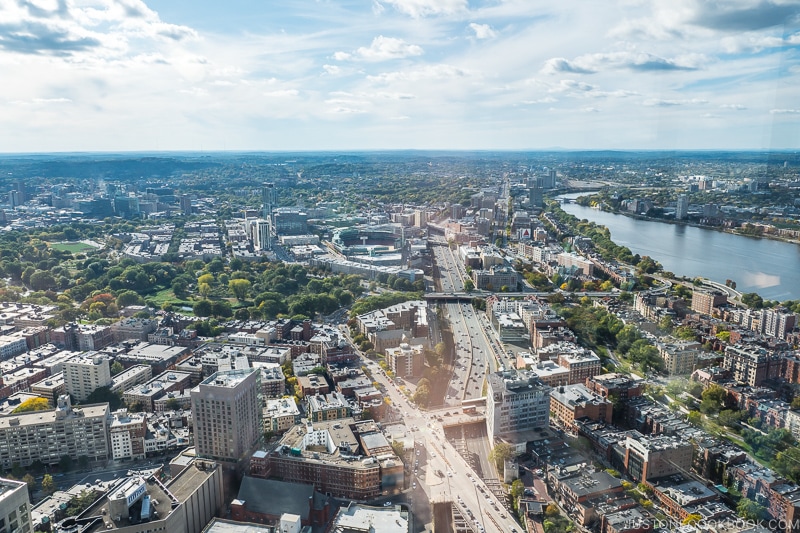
127, 75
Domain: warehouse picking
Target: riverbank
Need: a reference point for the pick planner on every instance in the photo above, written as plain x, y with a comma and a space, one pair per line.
729, 231
768, 267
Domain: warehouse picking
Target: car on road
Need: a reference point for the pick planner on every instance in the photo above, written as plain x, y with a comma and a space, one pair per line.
387, 504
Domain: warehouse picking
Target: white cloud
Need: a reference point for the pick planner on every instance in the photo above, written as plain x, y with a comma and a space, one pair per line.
282, 93
735, 107
628, 59
383, 48
99, 29
426, 72
482, 31
333, 70
426, 8
545, 100
342, 56
658, 102
572, 85
557, 65
784, 111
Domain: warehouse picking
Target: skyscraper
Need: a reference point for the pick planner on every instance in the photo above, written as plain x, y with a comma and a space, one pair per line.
535, 196
269, 199
227, 414
682, 207
262, 236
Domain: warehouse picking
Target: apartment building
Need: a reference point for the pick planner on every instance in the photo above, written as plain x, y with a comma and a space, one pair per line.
85, 373
281, 414
680, 357
50, 388
572, 402
704, 302
226, 412
326, 455
323, 407
406, 360
652, 457
752, 365
127, 433
48, 435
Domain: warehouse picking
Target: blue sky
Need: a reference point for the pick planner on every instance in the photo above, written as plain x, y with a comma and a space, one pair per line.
83, 75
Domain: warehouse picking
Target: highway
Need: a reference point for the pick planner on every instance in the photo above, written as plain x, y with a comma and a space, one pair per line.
476, 346
441, 472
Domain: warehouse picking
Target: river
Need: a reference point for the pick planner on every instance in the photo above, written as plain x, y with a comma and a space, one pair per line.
770, 268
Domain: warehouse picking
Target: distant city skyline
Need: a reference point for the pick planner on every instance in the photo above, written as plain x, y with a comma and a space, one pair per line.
159, 75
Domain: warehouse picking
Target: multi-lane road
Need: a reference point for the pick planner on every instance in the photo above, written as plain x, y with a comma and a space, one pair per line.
440, 471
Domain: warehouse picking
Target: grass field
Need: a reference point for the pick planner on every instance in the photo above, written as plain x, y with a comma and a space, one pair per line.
74, 247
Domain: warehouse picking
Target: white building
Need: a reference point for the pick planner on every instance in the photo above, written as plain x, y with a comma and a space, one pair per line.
15, 506
262, 237
85, 373
516, 402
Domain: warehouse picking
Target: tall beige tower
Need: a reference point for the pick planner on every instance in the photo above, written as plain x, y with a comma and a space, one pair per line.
227, 415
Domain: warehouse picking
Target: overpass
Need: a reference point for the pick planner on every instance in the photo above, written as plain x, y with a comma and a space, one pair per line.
468, 296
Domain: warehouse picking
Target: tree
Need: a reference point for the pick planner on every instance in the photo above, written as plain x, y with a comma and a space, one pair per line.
730, 418
116, 368
517, 489
221, 309
48, 485
43, 281
501, 453
398, 448
206, 278
202, 308
31, 482
32, 404
104, 395
750, 510
695, 418
240, 288
787, 463
81, 503
126, 298
65, 463
204, 289
469, 286
692, 519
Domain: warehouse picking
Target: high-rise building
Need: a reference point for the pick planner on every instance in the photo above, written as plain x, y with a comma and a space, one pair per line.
704, 302
535, 197
85, 373
227, 414
777, 322
682, 207
269, 200
47, 436
516, 403
262, 236
13, 198
186, 204
22, 190
406, 360
15, 506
